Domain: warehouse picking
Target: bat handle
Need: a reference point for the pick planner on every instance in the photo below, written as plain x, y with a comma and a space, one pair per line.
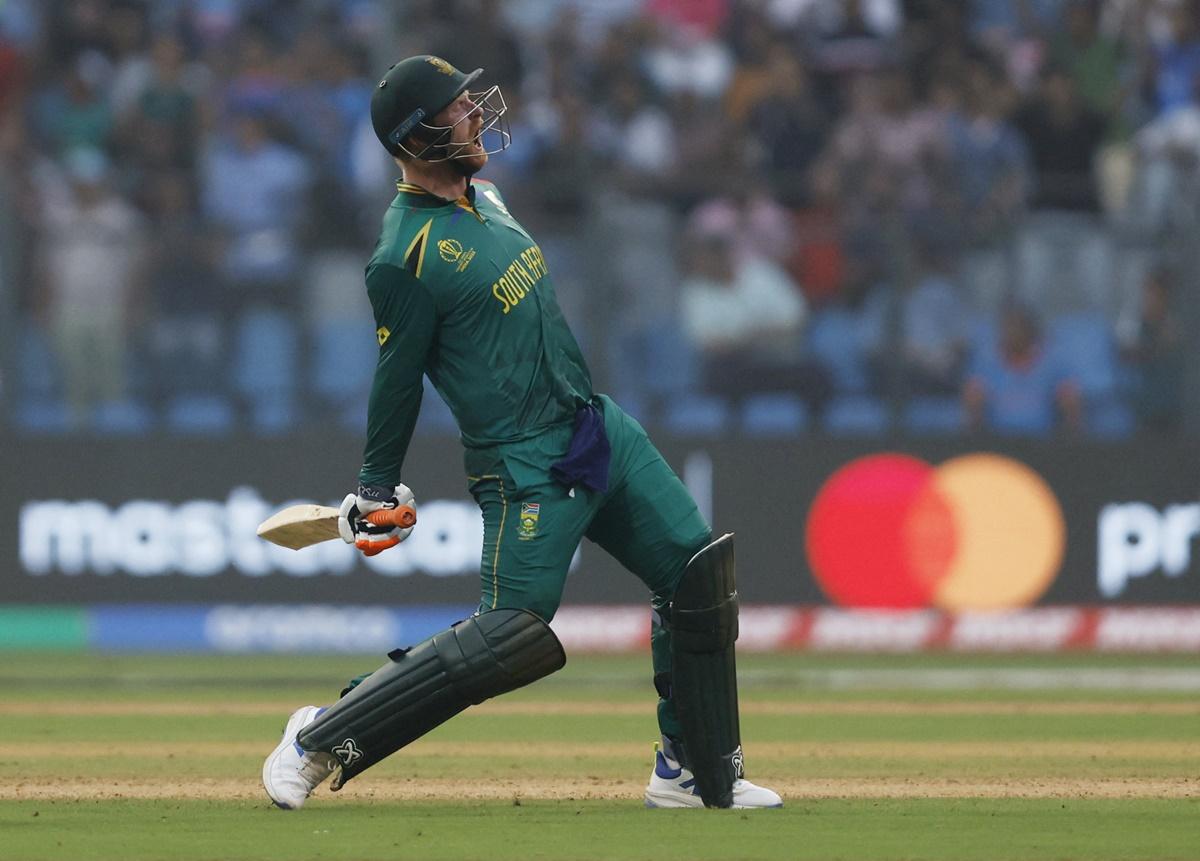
402, 516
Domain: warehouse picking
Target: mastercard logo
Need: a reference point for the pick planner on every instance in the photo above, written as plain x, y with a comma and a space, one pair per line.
978, 532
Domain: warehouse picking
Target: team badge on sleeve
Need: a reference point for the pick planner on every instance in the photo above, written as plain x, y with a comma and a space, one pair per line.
529, 520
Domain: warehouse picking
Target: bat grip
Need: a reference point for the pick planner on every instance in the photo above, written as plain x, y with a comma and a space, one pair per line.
402, 516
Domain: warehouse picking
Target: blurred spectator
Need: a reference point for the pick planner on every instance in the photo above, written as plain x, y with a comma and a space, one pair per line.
75, 27
1019, 386
887, 151
745, 317
705, 17
1095, 62
850, 35
818, 261
751, 39
92, 249
991, 162
74, 111
258, 82
788, 123
1176, 64
752, 220
12, 73
481, 38
1064, 137
709, 153
253, 193
563, 167
1168, 150
128, 41
1152, 341
183, 288
634, 136
1001, 24
933, 328
684, 59
160, 125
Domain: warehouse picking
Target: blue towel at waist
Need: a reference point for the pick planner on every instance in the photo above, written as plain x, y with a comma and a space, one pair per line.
587, 458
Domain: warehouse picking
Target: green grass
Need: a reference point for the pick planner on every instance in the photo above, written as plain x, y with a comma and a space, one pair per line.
879, 829
114, 726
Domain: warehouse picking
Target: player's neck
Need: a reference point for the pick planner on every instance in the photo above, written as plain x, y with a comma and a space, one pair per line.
439, 178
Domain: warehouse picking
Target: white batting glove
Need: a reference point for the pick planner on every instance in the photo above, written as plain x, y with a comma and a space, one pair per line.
370, 538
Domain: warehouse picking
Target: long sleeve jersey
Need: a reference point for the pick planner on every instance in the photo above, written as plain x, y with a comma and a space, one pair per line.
461, 292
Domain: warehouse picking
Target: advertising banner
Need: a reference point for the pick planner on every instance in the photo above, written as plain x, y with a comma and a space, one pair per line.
955, 526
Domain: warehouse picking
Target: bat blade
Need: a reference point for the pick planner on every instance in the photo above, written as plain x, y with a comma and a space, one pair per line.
300, 526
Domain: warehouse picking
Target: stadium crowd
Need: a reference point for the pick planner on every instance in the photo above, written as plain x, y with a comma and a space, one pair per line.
766, 216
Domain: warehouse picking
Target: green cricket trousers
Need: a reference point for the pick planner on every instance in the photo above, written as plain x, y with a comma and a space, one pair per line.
532, 525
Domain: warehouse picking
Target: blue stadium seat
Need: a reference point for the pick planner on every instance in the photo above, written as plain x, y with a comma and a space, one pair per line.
124, 417
200, 414
934, 415
654, 363
345, 353
41, 415
1110, 418
983, 332
835, 339
775, 415
856, 415
266, 353
273, 413
696, 415
353, 416
1086, 345
37, 372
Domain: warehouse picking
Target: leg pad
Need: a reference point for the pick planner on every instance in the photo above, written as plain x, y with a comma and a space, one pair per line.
704, 625
426, 685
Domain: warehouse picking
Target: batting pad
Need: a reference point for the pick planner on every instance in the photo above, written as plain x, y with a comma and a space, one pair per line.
703, 619
424, 686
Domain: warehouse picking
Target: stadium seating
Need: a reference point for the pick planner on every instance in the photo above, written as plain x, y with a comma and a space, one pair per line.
934, 415
126, 417
835, 339
200, 414
1085, 343
856, 415
773, 415
696, 415
344, 357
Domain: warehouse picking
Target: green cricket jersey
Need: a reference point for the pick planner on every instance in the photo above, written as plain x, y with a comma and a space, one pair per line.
462, 293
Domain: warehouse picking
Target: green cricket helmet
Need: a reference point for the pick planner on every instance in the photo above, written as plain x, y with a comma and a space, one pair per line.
414, 91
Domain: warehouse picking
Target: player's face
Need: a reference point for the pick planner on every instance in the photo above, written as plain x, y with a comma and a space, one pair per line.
466, 119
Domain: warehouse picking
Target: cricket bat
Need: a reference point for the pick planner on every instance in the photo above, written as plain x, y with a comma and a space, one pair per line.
299, 526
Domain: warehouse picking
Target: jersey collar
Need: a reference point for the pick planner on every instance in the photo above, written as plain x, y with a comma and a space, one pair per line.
414, 196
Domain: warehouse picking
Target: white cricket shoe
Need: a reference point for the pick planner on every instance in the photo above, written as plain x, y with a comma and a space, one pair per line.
672, 785
291, 773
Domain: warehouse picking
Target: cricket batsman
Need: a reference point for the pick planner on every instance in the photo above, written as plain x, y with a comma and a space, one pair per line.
462, 293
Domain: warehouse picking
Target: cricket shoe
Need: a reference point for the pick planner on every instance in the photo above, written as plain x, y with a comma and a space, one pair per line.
672, 785
291, 773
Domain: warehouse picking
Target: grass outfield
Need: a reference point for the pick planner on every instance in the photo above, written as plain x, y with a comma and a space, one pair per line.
1071, 757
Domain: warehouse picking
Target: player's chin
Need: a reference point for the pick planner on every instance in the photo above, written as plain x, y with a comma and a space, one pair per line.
472, 164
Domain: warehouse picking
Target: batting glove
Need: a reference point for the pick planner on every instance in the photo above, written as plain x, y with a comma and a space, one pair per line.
354, 527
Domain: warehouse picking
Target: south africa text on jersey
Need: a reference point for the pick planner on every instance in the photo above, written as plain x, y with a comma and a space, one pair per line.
521, 276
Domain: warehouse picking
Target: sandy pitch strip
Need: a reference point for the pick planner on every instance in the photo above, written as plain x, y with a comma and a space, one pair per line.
382, 790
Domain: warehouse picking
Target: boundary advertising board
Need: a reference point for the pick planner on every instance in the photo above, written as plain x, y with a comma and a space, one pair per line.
168, 521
